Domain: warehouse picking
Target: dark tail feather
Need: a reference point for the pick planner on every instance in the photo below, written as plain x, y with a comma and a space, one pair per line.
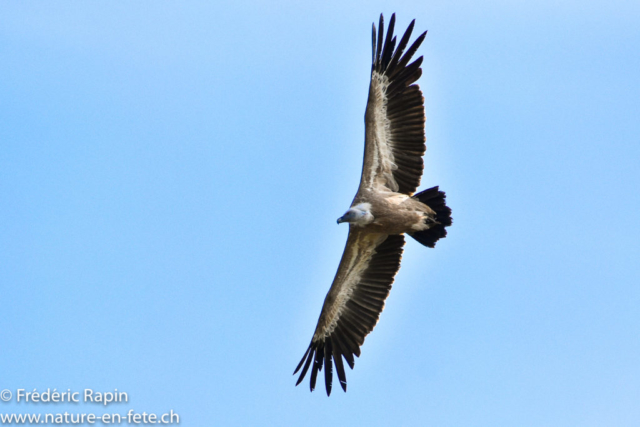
435, 200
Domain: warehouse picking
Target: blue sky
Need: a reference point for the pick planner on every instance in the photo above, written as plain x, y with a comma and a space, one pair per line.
171, 173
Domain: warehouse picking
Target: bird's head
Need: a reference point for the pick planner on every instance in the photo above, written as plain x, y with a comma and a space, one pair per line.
358, 215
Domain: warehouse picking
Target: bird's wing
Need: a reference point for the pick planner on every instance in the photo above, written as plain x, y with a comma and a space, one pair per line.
353, 304
394, 134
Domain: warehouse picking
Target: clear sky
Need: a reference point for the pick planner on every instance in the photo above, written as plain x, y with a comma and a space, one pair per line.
171, 173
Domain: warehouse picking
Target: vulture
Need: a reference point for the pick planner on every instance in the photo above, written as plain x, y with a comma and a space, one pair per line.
384, 209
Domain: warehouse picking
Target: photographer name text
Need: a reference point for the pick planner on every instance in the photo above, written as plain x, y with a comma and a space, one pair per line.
87, 396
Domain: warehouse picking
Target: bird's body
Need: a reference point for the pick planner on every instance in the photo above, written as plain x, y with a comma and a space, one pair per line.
394, 213
383, 210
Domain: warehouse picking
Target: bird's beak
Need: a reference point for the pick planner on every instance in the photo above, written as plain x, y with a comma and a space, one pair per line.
340, 219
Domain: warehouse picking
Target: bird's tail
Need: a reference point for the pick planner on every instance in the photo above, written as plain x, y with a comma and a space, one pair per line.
435, 200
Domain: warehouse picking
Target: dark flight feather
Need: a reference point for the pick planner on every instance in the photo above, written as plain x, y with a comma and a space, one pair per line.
403, 106
357, 320
436, 200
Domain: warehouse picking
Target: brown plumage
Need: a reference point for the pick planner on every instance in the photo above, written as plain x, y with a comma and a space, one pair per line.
383, 209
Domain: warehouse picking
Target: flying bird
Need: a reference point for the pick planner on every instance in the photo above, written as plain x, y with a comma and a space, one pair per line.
383, 210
